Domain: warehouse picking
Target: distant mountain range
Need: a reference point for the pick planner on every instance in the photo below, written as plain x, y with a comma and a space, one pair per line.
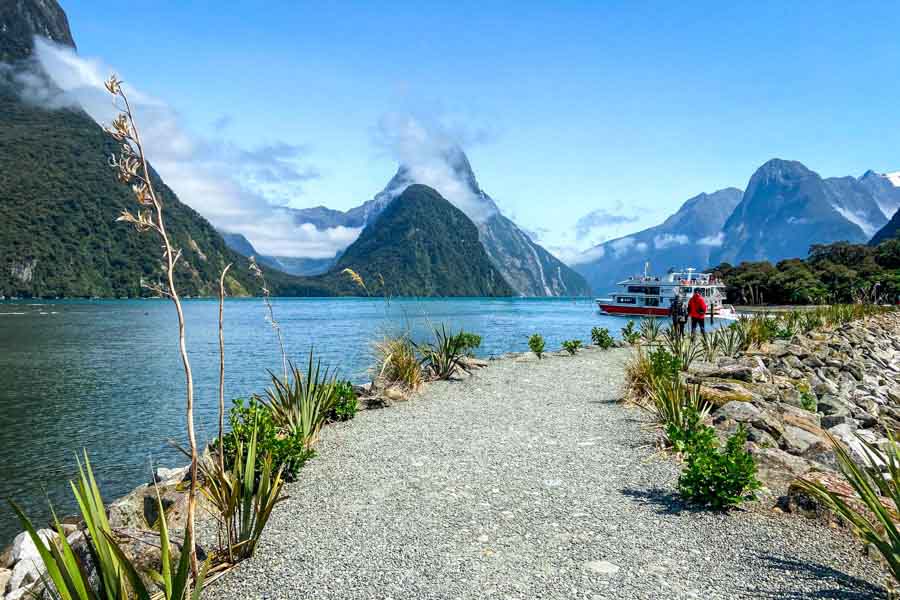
528, 267
785, 209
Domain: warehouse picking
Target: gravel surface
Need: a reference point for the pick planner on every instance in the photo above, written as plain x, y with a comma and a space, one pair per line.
528, 480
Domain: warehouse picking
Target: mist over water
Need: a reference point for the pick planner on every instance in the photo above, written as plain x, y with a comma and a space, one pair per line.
105, 375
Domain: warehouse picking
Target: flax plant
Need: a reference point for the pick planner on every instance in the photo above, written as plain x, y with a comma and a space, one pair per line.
132, 168
302, 403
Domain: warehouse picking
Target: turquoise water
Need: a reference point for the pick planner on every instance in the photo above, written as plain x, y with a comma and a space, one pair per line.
105, 375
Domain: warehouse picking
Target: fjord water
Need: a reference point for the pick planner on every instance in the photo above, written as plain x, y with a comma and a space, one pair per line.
105, 375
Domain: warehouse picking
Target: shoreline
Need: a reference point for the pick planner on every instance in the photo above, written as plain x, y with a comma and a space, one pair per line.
126, 508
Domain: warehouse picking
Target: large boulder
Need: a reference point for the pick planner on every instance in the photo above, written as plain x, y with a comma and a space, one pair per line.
776, 469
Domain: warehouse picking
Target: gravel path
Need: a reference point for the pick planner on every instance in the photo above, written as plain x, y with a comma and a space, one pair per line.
526, 481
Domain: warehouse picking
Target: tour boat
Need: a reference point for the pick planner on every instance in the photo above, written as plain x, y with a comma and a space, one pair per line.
648, 296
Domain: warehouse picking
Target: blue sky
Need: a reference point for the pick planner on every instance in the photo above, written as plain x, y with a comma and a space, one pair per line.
564, 108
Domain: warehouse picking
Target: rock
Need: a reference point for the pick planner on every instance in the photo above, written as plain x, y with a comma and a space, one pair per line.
168, 476
23, 593
6, 560
799, 501
742, 412
796, 440
857, 450
737, 372
5, 576
23, 547
777, 469
602, 567
830, 404
140, 509
26, 572
720, 392
829, 421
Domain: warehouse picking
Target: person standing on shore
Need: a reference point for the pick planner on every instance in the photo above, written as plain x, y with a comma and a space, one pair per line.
697, 312
678, 314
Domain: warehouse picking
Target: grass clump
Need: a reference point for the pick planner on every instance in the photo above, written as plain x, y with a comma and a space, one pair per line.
601, 338
396, 364
536, 345
571, 346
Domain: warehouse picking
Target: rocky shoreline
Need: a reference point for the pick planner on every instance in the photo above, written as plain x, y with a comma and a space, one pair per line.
791, 395
852, 374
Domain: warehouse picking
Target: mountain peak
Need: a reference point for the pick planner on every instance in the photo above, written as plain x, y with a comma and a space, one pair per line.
22, 20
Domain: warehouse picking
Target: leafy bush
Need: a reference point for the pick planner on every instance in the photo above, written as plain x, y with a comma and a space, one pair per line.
396, 363
571, 346
243, 496
877, 484
712, 477
807, 398
301, 404
663, 364
629, 334
287, 448
468, 342
346, 404
444, 355
689, 431
536, 344
600, 336
116, 577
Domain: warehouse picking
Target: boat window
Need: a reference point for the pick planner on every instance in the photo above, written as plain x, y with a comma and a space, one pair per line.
643, 289
625, 299
651, 301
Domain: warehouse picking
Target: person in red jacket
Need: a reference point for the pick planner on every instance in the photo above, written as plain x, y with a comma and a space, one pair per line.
697, 312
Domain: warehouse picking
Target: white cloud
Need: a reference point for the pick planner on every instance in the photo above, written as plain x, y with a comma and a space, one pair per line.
431, 152
622, 246
573, 256
712, 240
668, 240
237, 189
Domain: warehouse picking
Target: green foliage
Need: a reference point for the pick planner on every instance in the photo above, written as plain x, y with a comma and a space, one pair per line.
423, 246
571, 346
600, 336
287, 448
663, 364
59, 210
689, 431
718, 478
877, 484
242, 497
117, 578
686, 348
346, 404
629, 334
536, 345
468, 342
833, 273
301, 404
444, 354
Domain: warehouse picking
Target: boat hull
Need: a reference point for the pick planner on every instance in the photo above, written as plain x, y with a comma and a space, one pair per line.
632, 311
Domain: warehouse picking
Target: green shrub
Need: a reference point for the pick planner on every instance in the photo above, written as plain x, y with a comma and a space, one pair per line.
600, 336
571, 346
689, 431
536, 344
629, 334
712, 477
663, 364
346, 404
286, 447
468, 342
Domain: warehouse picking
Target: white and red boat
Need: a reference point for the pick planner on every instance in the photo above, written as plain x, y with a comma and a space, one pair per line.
648, 296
